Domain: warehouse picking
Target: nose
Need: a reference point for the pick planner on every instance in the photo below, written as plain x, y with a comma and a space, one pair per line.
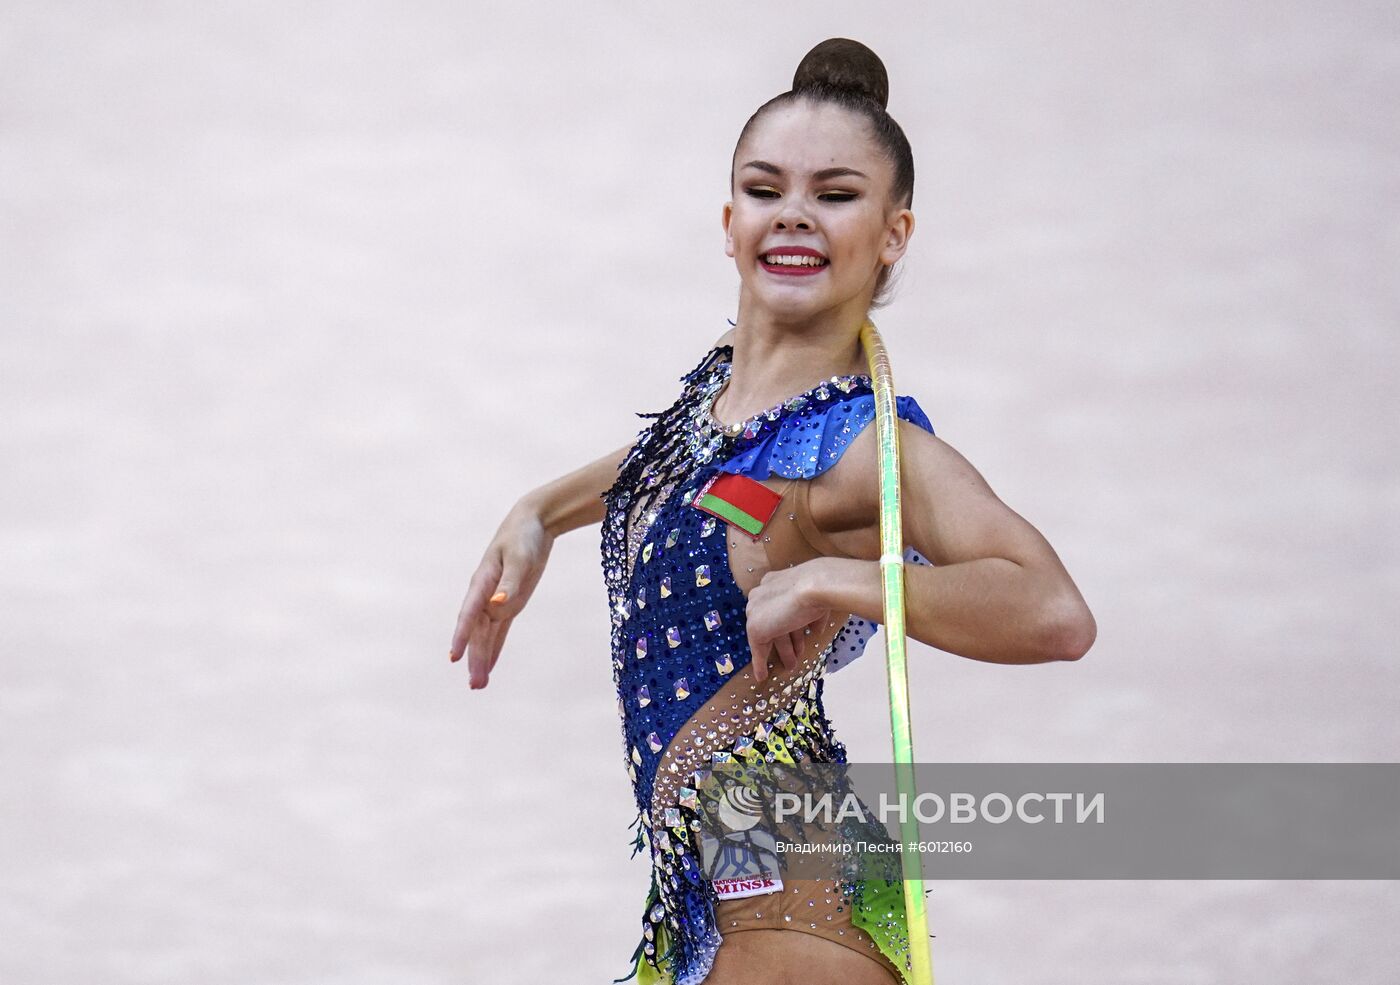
793, 215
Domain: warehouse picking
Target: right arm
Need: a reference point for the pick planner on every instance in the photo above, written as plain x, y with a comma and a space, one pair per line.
575, 500
515, 559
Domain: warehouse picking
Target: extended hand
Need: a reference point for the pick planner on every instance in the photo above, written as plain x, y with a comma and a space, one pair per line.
504, 580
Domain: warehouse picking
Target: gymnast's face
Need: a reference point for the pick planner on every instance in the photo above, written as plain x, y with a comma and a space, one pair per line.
811, 224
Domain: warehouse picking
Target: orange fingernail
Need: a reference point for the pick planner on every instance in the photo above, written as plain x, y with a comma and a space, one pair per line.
498, 597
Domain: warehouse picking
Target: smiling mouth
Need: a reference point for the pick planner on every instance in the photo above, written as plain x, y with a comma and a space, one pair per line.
792, 264
792, 260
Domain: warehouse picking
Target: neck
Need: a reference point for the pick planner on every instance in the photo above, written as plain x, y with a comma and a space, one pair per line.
774, 359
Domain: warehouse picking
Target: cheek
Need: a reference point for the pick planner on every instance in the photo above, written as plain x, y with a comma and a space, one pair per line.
862, 241
852, 245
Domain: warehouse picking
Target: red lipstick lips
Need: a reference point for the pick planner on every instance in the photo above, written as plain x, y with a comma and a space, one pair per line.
792, 269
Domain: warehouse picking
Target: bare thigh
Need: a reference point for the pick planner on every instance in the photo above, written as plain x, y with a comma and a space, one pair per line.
786, 957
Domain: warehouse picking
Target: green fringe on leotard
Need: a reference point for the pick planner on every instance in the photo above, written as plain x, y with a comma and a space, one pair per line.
877, 907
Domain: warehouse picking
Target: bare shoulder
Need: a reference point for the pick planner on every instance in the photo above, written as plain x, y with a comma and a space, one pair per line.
936, 481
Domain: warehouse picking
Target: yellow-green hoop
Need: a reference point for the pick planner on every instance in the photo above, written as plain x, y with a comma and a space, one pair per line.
896, 665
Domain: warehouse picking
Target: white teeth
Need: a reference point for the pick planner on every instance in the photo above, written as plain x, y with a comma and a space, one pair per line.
788, 260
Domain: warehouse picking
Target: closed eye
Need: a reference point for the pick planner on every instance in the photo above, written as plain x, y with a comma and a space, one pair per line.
767, 193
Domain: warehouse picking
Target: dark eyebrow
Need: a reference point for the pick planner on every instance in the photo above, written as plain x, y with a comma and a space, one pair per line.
821, 175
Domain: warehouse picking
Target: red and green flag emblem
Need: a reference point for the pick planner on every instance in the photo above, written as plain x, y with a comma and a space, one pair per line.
738, 500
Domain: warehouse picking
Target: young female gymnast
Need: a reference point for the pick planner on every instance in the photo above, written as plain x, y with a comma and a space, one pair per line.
741, 532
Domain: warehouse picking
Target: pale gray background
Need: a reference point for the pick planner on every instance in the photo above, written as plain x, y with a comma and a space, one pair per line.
298, 297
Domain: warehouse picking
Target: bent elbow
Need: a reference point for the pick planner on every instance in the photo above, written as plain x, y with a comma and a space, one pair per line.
1069, 631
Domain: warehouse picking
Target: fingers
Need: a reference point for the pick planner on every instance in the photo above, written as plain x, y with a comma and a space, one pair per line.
758, 657
789, 648
463, 631
508, 593
786, 652
486, 643
494, 594
501, 607
506, 600
485, 649
479, 590
498, 640
478, 653
799, 647
499, 590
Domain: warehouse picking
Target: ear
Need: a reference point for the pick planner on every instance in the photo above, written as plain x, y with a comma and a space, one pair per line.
897, 235
727, 214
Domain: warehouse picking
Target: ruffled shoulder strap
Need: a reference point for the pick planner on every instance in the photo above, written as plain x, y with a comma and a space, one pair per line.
803, 443
805, 439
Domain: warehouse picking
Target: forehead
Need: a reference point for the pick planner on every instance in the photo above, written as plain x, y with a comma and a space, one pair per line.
804, 137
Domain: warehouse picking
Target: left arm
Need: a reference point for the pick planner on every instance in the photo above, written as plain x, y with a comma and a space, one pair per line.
999, 592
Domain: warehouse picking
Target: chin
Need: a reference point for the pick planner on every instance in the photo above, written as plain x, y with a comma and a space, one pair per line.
787, 307
798, 303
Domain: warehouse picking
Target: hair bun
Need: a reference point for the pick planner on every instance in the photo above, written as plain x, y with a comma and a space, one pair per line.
844, 64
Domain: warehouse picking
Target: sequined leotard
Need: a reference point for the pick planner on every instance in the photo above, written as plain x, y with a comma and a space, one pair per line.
677, 580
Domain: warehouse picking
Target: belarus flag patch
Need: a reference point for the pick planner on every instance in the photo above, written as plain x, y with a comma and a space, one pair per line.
739, 501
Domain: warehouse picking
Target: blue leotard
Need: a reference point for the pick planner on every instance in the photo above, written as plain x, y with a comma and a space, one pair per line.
679, 644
